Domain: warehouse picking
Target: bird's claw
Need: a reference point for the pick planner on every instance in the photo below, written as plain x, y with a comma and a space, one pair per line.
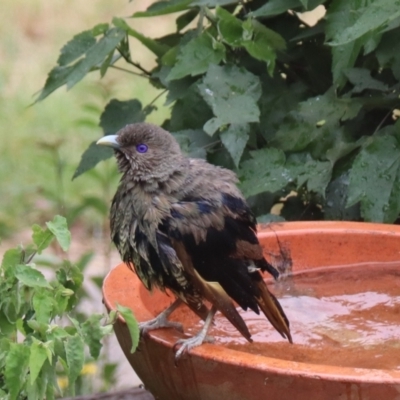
158, 323
190, 343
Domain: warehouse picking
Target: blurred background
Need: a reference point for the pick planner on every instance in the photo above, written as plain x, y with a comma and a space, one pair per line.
41, 145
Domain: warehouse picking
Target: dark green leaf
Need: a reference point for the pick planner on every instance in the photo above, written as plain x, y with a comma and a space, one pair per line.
193, 142
315, 119
229, 27
275, 7
59, 228
235, 139
373, 16
154, 46
94, 57
195, 57
164, 7
16, 369
117, 114
232, 93
375, 179
388, 53
132, 325
31, 277
41, 237
361, 79
185, 19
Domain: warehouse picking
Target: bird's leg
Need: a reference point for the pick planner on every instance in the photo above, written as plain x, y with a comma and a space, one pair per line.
197, 340
161, 321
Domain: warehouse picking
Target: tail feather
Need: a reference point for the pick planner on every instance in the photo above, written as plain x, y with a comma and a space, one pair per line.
273, 311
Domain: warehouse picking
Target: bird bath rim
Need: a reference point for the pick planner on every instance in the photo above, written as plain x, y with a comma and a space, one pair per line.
221, 354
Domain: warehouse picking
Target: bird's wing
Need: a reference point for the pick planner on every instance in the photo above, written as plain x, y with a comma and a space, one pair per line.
216, 241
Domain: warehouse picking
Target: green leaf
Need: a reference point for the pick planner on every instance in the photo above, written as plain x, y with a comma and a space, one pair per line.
16, 368
229, 27
93, 333
6, 327
43, 304
269, 171
361, 79
118, 113
376, 15
59, 227
41, 237
303, 126
31, 277
375, 179
341, 15
37, 357
132, 325
154, 46
69, 75
74, 350
232, 93
195, 57
163, 8
388, 53
91, 157
11, 258
185, 19
193, 142
275, 7
235, 139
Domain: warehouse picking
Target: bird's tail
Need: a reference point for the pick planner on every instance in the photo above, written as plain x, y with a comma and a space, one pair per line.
273, 311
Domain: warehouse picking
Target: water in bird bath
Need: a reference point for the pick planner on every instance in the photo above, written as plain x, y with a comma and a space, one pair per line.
338, 316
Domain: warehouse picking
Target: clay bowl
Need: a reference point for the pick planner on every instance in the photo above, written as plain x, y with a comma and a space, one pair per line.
217, 372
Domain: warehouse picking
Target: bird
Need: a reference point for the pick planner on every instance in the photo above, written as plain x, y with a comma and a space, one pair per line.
182, 224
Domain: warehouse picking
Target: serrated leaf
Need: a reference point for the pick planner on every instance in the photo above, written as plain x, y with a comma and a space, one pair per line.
361, 79
229, 27
163, 8
196, 55
31, 277
302, 127
59, 227
43, 304
159, 49
371, 17
41, 237
132, 325
74, 350
93, 333
37, 357
375, 179
69, 75
235, 139
16, 369
269, 171
232, 93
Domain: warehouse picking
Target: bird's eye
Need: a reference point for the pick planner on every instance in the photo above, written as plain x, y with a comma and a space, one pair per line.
141, 148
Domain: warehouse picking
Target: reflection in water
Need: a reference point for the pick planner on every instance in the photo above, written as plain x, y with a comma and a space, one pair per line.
348, 317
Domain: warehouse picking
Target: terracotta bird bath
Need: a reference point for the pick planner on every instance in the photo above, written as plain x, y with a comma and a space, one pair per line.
325, 365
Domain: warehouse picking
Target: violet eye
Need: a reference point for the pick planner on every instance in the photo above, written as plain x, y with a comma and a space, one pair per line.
141, 148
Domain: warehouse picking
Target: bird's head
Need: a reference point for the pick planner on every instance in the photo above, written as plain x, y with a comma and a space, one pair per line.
145, 151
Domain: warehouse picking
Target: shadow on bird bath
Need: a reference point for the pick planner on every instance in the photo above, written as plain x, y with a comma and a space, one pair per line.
343, 302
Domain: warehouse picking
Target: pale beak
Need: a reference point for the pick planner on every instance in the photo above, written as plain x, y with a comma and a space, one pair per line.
110, 141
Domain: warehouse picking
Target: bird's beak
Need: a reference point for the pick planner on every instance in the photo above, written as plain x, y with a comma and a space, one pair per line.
110, 141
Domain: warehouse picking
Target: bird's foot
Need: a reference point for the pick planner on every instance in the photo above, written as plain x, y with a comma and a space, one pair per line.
160, 321
187, 344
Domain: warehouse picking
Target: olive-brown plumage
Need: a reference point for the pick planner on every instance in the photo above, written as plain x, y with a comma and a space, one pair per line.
183, 225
